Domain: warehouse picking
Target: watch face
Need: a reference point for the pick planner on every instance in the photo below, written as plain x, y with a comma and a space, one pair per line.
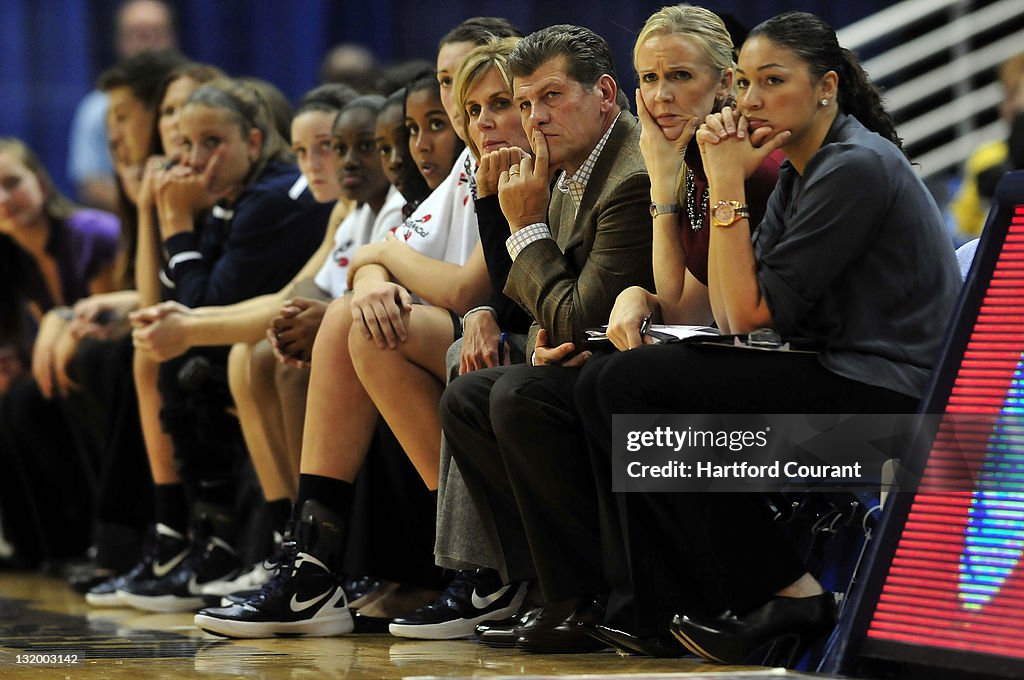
725, 214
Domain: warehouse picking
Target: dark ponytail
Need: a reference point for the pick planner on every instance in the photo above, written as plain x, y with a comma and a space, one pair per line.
862, 99
814, 41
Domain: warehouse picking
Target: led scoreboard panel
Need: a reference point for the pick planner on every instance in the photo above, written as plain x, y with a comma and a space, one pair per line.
952, 595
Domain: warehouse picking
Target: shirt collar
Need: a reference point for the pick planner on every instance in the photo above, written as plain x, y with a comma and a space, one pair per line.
577, 184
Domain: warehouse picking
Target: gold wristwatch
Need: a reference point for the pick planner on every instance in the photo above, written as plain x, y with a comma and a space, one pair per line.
728, 213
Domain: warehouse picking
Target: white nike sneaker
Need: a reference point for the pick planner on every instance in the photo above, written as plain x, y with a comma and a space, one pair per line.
304, 598
178, 583
471, 598
165, 550
253, 579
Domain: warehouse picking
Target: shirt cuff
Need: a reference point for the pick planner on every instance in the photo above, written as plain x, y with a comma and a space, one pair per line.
525, 236
181, 243
181, 248
187, 256
481, 308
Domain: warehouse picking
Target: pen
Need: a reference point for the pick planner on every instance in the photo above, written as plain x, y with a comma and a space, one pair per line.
501, 344
645, 325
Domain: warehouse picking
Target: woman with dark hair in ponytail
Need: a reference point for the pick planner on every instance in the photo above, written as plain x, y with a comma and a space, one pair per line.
852, 254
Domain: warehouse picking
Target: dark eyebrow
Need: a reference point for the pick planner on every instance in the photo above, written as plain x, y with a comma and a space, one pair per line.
762, 67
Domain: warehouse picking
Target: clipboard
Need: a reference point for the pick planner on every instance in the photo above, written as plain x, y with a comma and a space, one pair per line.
761, 340
661, 333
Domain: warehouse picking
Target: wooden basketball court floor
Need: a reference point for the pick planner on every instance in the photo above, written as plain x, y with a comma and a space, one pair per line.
48, 631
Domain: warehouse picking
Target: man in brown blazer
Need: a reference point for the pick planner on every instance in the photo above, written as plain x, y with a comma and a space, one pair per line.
574, 248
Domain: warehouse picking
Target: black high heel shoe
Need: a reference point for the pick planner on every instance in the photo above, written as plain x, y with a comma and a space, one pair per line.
778, 632
664, 646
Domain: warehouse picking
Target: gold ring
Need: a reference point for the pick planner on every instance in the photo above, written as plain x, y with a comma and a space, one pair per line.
513, 171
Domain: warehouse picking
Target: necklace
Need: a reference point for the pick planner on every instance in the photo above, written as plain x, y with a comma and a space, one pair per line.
696, 219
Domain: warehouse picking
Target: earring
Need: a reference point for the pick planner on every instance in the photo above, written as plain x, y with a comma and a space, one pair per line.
824, 102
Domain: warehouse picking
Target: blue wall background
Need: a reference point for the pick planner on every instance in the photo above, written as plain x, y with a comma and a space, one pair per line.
52, 50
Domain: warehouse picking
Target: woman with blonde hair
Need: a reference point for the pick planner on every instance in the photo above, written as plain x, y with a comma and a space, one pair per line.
683, 57
370, 364
236, 220
852, 254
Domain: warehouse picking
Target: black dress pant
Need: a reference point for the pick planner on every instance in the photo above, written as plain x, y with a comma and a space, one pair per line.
706, 552
517, 439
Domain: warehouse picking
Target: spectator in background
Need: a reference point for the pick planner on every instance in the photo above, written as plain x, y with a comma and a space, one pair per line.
991, 160
44, 419
351, 64
65, 253
401, 74
139, 25
51, 254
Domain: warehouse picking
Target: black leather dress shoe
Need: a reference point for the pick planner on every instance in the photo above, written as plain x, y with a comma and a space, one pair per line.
559, 629
503, 633
664, 646
777, 633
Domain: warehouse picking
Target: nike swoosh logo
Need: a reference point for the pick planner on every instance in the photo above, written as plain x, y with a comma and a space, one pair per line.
484, 602
297, 605
161, 570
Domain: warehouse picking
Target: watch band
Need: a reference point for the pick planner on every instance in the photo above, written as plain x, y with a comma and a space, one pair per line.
728, 213
663, 209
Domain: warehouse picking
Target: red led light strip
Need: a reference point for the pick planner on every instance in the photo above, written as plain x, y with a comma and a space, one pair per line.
922, 601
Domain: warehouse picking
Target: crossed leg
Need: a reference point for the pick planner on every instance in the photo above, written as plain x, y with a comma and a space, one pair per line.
353, 378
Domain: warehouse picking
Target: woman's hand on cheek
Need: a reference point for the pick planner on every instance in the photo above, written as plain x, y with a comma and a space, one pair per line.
179, 197
662, 155
217, 189
147, 190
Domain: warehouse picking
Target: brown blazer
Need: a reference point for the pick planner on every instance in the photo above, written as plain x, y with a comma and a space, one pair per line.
570, 283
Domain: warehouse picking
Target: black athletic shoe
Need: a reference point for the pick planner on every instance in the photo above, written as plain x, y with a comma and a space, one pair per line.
165, 550
471, 598
179, 589
304, 598
357, 587
228, 600
219, 592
